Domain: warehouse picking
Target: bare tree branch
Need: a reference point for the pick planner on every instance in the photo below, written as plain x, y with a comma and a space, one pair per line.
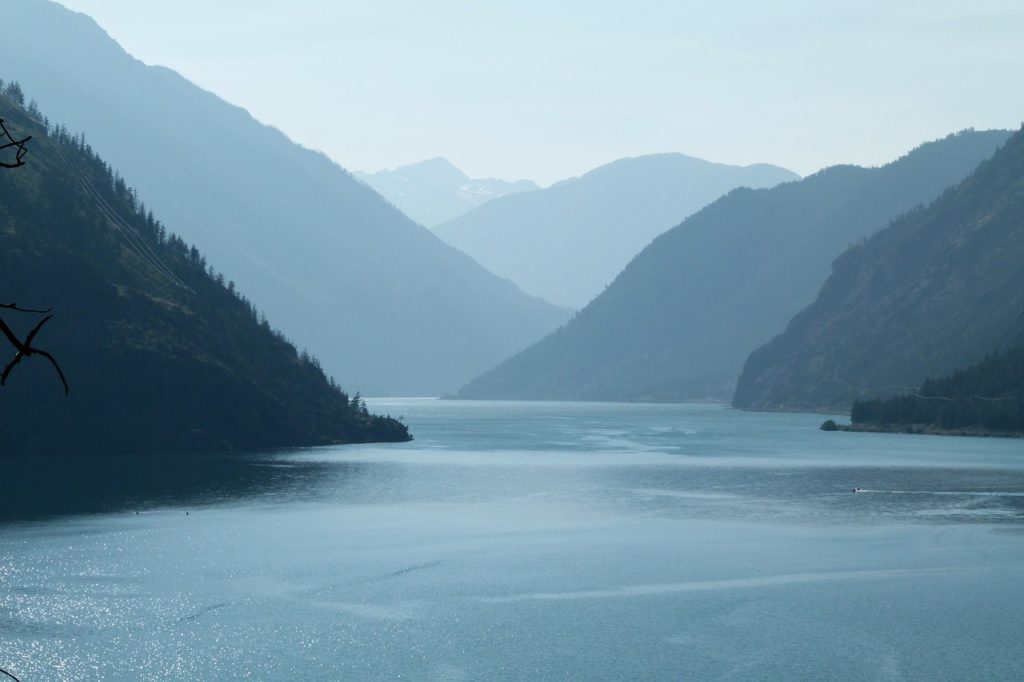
24, 349
19, 155
15, 306
9, 675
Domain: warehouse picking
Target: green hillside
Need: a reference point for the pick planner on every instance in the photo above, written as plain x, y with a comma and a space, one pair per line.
160, 353
985, 398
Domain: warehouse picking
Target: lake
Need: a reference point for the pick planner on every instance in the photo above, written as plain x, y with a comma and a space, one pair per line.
525, 541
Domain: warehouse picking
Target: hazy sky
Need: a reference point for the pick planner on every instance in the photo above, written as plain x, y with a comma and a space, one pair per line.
544, 89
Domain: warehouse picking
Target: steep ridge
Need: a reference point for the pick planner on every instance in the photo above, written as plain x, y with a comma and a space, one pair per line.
565, 243
434, 191
160, 354
385, 304
679, 321
933, 292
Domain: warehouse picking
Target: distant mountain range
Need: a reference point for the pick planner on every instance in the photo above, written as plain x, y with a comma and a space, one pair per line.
567, 242
387, 306
680, 320
434, 191
160, 354
933, 292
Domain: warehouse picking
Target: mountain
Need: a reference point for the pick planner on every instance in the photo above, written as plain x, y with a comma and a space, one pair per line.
387, 306
567, 242
160, 355
931, 293
680, 320
434, 191
986, 398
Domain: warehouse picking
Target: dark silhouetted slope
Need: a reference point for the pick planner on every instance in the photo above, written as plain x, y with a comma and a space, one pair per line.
565, 243
161, 355
387, 306
933, 292
680, 320
434, 191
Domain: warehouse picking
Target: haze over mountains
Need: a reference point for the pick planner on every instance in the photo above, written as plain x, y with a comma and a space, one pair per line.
933, 292
434, 191
387, 306
680, 320
160, 355
565, 243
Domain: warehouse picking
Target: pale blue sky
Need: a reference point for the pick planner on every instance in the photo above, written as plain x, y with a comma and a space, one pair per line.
546, 89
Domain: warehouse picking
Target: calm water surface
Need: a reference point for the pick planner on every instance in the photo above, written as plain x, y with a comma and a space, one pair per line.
517, 541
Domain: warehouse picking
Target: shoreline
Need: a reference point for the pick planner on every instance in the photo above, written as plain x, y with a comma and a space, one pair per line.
927, 430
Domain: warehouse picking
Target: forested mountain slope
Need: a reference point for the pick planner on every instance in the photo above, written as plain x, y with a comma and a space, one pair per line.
385, 304
681, 319
160, 354
985, 398
933, 292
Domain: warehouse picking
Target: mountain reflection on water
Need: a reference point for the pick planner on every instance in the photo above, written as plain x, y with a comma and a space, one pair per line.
41, 488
